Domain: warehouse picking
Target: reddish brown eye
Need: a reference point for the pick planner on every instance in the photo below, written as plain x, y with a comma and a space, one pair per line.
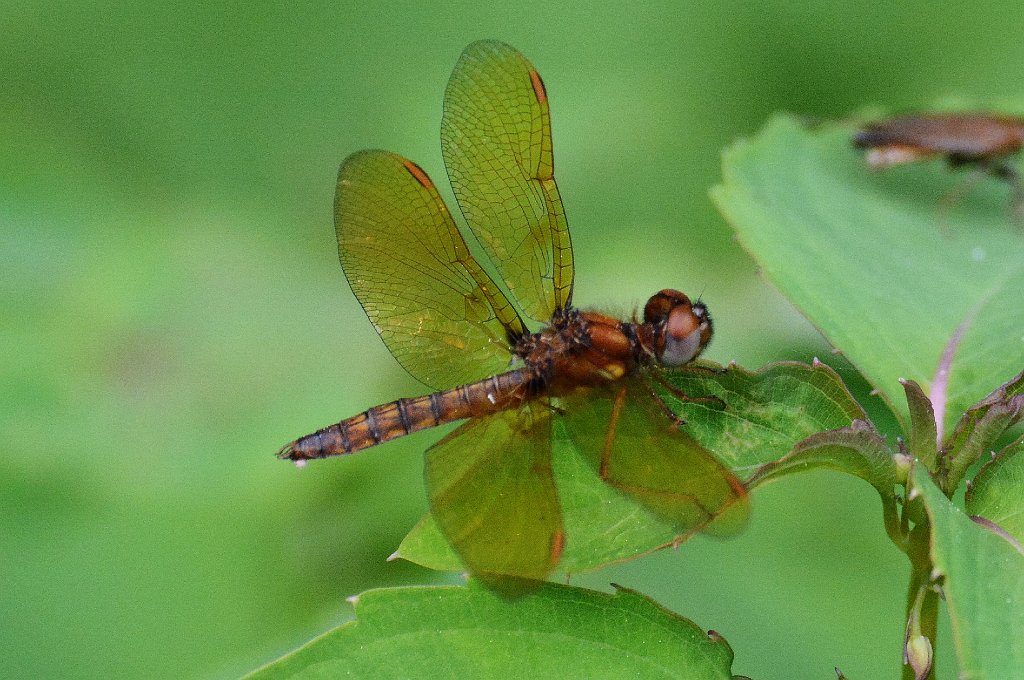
684, 336
680, 329
661, 304
681, 322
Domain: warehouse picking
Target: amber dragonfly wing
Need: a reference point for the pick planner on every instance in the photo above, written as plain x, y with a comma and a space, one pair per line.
439, 313
493, 495
496, 142
627, 436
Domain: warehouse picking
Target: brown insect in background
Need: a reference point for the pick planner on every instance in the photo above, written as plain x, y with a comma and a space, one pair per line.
981, 140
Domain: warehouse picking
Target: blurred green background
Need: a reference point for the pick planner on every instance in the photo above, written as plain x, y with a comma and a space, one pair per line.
172, 311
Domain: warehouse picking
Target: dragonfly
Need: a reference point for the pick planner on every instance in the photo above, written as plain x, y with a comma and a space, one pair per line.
980, 140
451, 325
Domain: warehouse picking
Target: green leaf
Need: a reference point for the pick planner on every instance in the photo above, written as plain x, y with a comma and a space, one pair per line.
866, 257
469, 632
997, 492
767, 412
978, 430
983, 582
857, 450
923, 442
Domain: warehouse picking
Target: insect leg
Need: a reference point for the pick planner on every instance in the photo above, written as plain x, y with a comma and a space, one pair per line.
1008, 173
958, 193
609, 436
677, 420
683, 396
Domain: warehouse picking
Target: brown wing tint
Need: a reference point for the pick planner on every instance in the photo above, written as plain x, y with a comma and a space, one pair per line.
437, 311
492, 493
634, 446
496, 141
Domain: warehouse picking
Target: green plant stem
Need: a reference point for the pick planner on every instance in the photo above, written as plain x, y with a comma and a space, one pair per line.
927, 607
894, 525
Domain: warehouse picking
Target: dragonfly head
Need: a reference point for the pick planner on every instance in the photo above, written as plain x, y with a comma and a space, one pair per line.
676, 329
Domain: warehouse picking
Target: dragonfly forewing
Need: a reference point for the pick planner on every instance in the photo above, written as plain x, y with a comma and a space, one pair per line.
496, 142
436, 309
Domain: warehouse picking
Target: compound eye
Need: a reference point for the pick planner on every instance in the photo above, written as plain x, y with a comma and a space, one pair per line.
657, 309
661, 304
687, 331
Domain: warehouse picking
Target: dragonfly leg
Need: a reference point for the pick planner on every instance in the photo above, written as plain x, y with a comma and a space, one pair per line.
683, 396
609, 435
710, 370
677, 420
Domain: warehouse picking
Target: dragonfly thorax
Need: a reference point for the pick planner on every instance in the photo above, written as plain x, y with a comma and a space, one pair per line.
590, 348
544, 351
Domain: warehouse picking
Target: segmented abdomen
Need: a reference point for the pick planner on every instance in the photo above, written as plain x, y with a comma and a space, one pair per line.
405, 416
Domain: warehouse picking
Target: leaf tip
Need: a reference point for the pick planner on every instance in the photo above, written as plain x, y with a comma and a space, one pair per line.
861, 425
394, 556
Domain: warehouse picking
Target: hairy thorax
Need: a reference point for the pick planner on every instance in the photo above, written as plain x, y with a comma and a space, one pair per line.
579, 349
